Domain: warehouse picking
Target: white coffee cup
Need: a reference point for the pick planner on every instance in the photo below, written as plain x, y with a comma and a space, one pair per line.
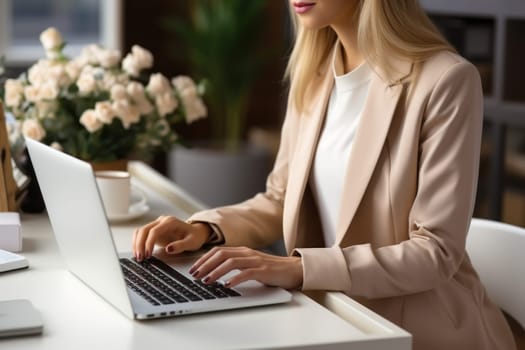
116, 191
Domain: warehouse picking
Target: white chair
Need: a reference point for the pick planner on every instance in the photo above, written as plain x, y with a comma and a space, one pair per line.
497, 251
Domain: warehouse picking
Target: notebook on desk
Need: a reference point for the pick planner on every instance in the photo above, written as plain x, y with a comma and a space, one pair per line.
141, 290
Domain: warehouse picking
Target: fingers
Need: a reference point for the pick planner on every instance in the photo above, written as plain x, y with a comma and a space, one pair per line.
246, 275
215, 257
160, 231
177, 236
139, 238
251, 265
215, 268
188, 243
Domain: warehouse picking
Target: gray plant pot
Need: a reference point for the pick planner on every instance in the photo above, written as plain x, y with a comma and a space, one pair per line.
218, 177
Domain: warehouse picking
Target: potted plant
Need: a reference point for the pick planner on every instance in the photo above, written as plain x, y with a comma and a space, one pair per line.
221, 40
221, 46
98, 106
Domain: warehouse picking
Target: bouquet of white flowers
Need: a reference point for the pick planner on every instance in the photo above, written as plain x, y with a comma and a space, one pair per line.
99, 107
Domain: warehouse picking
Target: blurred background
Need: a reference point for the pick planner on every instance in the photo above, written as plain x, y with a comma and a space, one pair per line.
488, 33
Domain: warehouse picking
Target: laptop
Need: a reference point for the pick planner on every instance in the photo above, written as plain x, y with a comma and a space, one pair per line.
140, 290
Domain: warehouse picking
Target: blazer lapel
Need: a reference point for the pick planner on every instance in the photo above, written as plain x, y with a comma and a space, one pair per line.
310, 129
368, 142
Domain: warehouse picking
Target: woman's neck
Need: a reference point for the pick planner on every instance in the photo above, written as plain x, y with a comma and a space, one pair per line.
351, 55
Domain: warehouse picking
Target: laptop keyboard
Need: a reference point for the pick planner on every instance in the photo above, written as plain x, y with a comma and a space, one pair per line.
160, 284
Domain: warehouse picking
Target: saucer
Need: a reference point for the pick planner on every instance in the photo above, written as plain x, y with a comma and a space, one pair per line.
136, 210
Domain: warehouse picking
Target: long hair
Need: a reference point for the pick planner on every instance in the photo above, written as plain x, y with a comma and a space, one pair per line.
385, 28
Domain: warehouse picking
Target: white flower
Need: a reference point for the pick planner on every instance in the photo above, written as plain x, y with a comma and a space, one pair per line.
137, 60
33, 129
122, 78
73, 68
127, 113
183, 82
90, 120
158, 84
144, 57
45, 71
105, 112
136, 91
108, 58
118, 92
193, 104
51, 39
195, 111
166, 103
48, 91
31, 93
130, 66
144, 106
90, 54
59, 75
37, 73
86, 83
102, 87
56, 146
120, 107
108, 80
14, 92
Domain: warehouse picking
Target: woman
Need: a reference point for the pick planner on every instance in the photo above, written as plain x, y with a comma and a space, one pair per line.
374, 183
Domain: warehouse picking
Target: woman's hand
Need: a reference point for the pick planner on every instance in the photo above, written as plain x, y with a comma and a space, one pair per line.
167, 231
286, 272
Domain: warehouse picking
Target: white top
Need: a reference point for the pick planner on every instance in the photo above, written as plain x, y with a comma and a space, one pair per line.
342, 118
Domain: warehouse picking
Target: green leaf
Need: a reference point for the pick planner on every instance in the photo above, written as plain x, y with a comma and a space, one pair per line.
221, 42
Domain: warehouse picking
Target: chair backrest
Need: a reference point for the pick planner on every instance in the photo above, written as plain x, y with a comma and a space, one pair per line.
497, 251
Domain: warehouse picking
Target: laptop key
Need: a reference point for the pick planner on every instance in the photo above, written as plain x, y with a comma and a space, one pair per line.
145, 268
149, 286
191, 285
157, 283
217, 289
141, 293
145, 287
165, 285
214, 288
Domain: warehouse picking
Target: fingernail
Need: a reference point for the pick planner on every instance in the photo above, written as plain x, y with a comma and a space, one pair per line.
139, 256
169, 249
147, 254
195, 273
191, 270
206, 279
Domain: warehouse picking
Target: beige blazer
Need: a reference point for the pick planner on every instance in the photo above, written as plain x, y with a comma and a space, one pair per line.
406, 205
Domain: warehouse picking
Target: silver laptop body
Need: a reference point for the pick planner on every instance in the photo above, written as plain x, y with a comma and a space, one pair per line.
84, 238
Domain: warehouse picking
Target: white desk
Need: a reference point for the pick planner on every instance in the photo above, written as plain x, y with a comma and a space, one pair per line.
76, 318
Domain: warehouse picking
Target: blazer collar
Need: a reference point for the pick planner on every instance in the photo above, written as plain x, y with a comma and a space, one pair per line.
369, 140
376, 117
310, 128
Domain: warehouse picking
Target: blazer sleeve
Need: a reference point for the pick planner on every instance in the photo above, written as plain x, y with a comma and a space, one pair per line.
440, 214
256, 222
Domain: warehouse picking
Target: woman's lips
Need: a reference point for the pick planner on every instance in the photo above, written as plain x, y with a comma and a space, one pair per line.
303, 7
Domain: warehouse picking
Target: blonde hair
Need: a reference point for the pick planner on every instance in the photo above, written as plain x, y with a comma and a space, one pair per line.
385, 28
